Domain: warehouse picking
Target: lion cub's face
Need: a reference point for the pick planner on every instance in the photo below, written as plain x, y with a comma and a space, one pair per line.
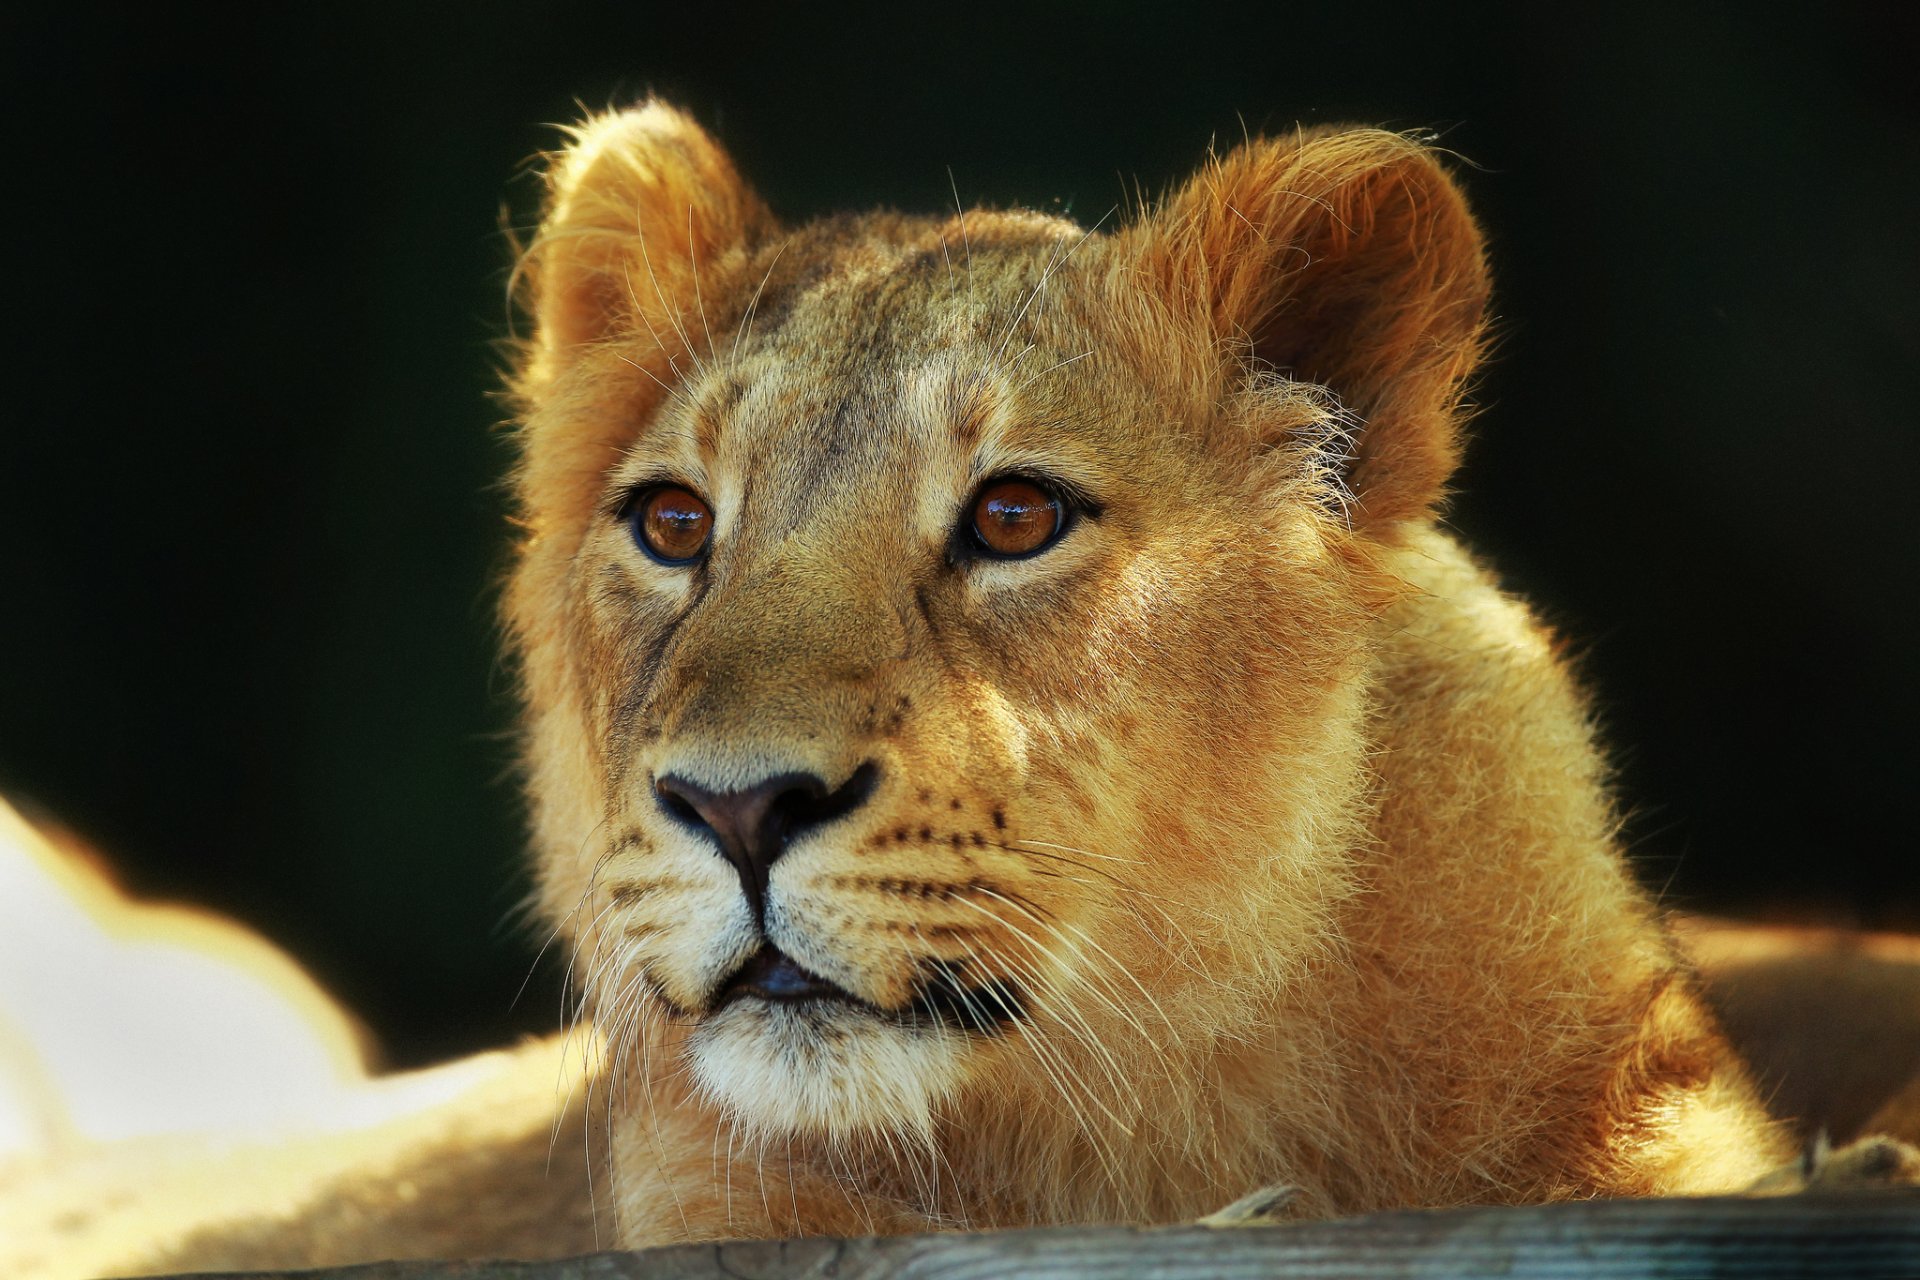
943, 664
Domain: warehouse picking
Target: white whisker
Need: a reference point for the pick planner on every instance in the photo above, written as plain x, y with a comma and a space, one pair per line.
961, 213
745, 327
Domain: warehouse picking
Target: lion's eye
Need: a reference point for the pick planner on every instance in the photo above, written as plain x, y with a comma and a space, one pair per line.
671, 524
1013, 518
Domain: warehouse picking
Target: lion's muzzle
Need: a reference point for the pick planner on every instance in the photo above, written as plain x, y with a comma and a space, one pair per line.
754, 825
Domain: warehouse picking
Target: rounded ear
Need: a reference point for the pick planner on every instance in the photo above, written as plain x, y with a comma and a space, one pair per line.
1348, 259
641, 205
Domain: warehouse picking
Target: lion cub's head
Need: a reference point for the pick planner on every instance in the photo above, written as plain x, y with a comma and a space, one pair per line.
945, 639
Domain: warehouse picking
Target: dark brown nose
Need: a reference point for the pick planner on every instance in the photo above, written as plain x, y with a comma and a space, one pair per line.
753, 826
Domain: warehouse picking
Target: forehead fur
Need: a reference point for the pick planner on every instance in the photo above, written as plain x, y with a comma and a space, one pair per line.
885, 340
1345, 260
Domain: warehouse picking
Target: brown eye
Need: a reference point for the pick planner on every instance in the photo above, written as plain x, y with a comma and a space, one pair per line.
671, 524
1015, 518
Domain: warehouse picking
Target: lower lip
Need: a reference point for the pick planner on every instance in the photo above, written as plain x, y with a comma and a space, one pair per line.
775, 977
772, 977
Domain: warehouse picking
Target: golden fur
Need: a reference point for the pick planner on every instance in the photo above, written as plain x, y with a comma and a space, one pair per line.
1247, 834
1277, 828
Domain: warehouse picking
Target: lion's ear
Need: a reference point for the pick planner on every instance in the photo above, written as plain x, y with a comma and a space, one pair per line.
1347, 259
642, 207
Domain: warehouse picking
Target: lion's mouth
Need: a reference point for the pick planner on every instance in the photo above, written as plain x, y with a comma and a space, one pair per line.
942, 998
772, 974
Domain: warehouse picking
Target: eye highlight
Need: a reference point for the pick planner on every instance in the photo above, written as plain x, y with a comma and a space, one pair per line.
1015, 517
670, 523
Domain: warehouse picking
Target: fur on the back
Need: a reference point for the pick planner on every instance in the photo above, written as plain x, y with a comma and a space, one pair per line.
1274, 828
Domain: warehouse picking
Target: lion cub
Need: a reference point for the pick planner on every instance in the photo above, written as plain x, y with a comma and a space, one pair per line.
1010, 742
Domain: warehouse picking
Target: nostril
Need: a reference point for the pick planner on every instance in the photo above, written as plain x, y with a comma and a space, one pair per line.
794, 797
814, 806
678, 806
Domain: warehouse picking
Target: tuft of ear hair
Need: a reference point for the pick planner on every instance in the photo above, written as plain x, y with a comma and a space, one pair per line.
642, 206
1346, 258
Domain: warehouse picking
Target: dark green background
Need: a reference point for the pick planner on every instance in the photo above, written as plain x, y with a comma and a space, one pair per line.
248, 451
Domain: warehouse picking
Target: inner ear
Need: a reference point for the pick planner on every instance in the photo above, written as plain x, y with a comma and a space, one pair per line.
1347, 259
643, 208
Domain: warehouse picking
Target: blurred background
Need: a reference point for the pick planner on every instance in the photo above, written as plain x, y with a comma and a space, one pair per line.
250, 455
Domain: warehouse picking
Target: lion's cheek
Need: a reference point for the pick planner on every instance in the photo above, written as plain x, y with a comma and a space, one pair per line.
667, 927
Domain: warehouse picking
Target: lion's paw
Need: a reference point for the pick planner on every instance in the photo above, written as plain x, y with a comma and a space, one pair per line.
1875, 1161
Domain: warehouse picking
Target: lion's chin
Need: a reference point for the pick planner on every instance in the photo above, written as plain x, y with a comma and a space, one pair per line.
824, 1067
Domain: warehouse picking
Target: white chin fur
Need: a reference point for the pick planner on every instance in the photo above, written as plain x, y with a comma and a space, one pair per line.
821, 1068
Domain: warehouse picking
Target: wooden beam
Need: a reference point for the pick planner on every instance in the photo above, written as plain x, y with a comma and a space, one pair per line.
1871, 1235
